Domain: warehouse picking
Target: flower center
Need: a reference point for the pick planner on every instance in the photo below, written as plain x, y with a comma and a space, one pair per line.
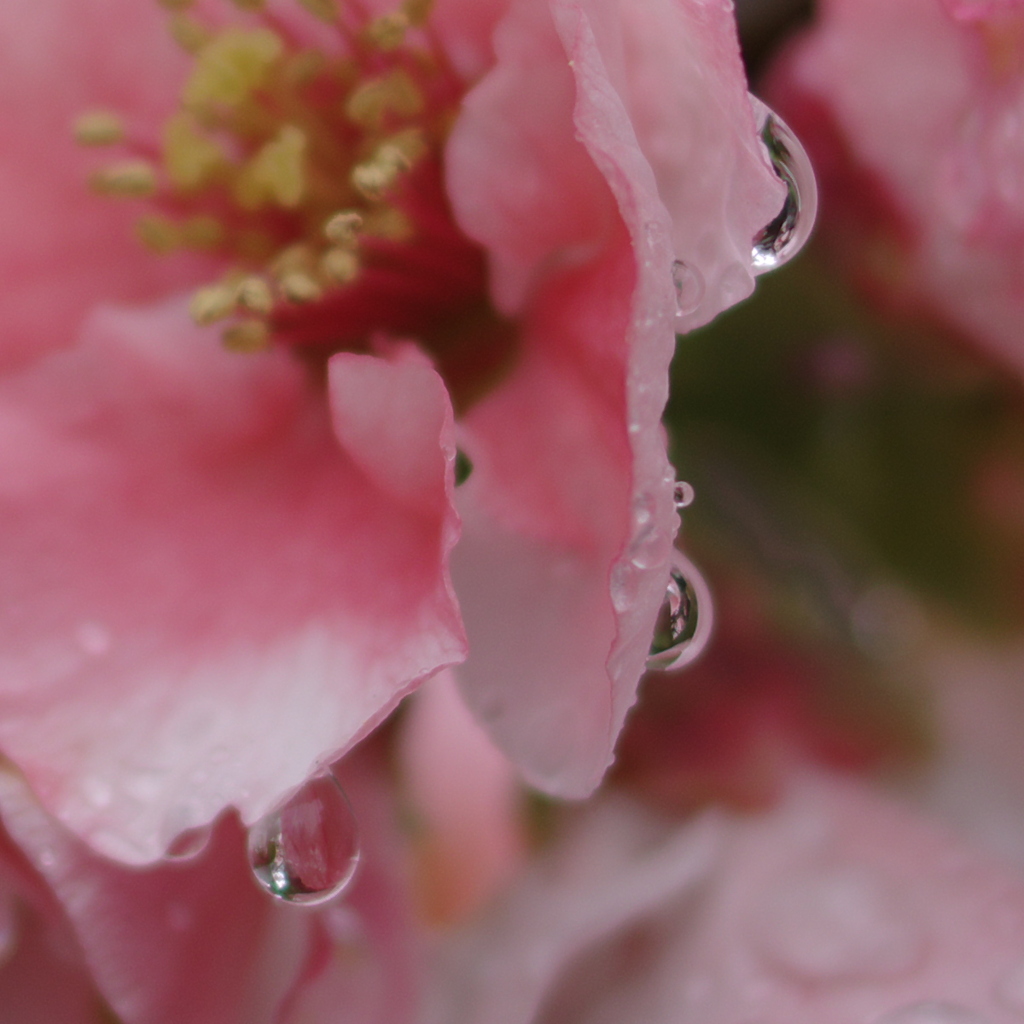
310, 160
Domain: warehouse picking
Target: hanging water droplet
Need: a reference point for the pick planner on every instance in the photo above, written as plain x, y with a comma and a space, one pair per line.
683, 494
684, 622
689, 285
307, 849
929, 1012
784, 237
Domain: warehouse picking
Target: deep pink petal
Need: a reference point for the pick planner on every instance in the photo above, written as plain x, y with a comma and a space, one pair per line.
62, 248
564, 166
203, 594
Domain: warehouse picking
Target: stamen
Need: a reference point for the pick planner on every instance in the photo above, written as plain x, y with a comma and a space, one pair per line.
277, 172
249, 5
341, 266
343, 228
247, 336
190, 157
388, 31
300, 288
159, 233
212, 303
133, 179
417, 11
99, 128
188, 33
376, 176
373, 101
231, 66
254, 296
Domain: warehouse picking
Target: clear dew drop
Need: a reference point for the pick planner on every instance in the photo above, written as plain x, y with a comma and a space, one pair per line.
932, 1012
779, 241
689, 285
683, 494
307, 849
684, 622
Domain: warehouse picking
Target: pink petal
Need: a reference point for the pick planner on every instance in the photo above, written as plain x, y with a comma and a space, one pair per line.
556, 166
63, 247
203, 596
837, 907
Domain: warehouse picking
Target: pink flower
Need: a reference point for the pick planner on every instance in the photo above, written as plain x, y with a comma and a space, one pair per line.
220, 570
912, 114
836, 907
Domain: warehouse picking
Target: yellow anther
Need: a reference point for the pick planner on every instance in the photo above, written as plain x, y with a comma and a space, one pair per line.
277, 172
388, 31
246, 336
417, 11
340, 266
254, 296
230, 66
158, 233
212, 303
191, 158
202, 232
395, 94
296, 257
410, 144
99, 128
299, 287
376, 176
188, 33
131, 178
326, 10
343, 228
249, 5
176, 5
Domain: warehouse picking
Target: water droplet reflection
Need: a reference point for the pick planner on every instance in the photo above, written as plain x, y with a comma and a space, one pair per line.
307, 849
683, 494
689, 285
784, 237
684, 622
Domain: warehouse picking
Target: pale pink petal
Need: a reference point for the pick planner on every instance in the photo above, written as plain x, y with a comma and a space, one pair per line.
837, 907
204, 594
62, 248
569, 519
466, 801
181, 942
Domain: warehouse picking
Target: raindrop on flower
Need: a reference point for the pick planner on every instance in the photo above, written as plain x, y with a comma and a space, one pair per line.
689, 285
306, 850
684, 621
929, 1012
683, 494
784, 237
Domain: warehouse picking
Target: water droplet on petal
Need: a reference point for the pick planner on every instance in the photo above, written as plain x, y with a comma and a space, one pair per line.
683, 494
307, 849
932, 1013
189, 843
1010, 988
838, 923
784, 237
689, 284
684, 621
